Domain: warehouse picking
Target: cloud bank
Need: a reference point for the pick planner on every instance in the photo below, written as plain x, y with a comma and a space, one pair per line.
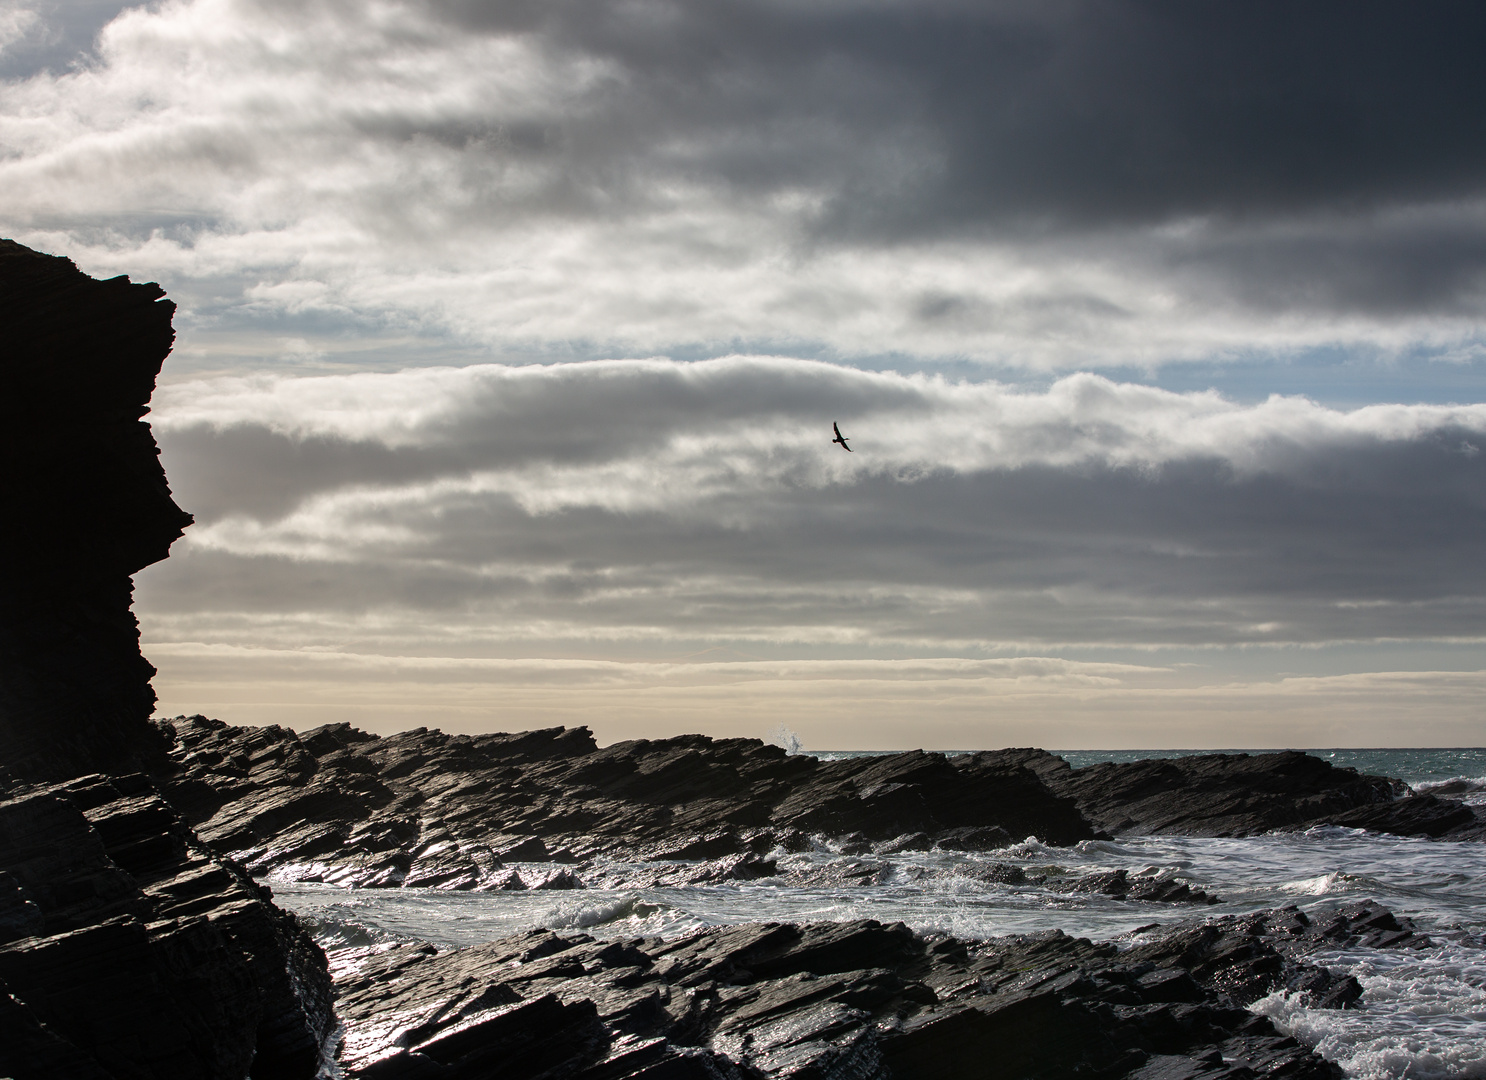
1039, 185
703, 502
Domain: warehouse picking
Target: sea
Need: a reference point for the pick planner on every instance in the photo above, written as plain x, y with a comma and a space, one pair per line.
1422, 1014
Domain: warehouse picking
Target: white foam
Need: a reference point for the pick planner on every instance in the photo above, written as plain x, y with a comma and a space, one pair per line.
1422, 1015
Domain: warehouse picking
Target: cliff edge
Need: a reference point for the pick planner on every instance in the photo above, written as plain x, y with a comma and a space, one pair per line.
86, 506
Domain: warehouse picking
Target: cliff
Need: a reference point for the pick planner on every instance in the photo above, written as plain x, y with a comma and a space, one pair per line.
86, 506
127, 947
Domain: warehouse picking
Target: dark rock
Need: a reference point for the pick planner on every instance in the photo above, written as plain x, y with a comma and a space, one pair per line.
1243, 795
131, 947
1119, 883
980, 838
87, 506
859, 1000
424, 808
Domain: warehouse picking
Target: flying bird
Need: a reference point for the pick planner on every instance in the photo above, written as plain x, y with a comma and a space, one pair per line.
840, 438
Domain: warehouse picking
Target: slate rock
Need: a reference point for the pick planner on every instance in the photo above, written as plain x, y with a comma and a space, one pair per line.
1243, 795
140, 952
831, 1001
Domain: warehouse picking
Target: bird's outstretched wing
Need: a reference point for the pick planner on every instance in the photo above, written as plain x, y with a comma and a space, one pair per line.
836, 428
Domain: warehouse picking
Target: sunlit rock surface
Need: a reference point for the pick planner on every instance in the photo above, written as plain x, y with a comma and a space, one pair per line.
86, 506
858, 1000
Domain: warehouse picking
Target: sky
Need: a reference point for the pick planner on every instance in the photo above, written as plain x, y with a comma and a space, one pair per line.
511, 334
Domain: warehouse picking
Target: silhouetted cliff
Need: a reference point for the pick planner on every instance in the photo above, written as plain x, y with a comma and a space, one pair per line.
86, 506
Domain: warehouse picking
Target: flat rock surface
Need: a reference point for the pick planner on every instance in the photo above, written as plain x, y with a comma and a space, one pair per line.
855, 999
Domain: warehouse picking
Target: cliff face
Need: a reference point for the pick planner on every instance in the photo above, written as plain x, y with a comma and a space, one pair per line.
86, 506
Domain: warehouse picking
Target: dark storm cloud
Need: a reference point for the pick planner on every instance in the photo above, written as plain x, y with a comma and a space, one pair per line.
1086, 112
704, 500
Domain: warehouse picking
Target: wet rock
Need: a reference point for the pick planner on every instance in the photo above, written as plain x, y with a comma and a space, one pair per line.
427, 809
858, 999
432, 810
981, 838
1119, 883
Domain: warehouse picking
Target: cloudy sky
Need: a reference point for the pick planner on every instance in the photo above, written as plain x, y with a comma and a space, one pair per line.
511, 335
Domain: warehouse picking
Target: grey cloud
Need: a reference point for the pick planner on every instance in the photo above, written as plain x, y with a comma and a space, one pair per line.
1088, 111
1278, 522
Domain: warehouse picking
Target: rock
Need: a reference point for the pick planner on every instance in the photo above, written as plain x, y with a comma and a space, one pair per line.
1242, 795
86, 506
859, 999
1119, 883
429, 809
451, 811
128, 946
982, 838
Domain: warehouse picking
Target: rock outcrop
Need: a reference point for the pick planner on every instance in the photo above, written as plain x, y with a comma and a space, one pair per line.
86, 506
425, 808
129, 949
858, 1000
1245, 795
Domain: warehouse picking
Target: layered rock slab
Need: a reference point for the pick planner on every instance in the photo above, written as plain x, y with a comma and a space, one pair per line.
128, 949
454, 811
856, 999
423, 808
1245, 795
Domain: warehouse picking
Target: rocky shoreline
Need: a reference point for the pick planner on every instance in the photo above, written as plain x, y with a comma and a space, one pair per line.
135, 942
423, 808
129, 948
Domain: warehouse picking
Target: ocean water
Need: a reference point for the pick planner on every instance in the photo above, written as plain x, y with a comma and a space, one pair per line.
1423, 1013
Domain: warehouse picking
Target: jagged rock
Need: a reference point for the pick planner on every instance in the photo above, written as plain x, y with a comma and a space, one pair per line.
859, 999
86, 506
1243, 795
1120, 884
128, 949
424, 808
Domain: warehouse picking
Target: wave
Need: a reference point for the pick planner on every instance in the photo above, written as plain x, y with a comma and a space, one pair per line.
1336, 883
1470, 789
1422, 1016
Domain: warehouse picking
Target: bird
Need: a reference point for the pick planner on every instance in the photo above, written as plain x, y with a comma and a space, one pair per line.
840, 438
